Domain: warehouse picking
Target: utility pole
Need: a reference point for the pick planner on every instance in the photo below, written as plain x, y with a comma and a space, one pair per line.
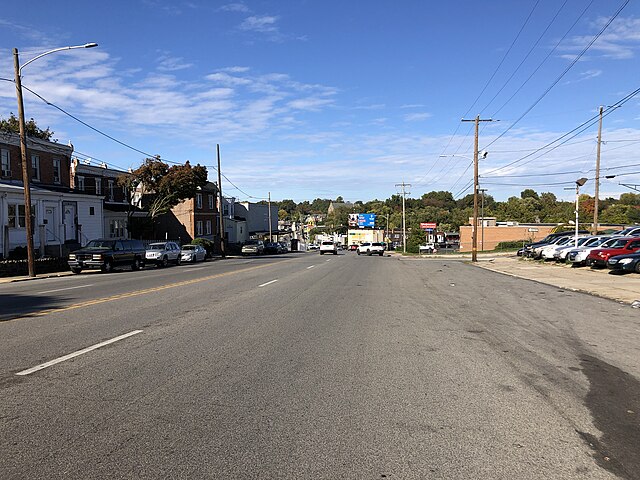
270, 239
597, 189
482, 190
221, 208
474, 227
404, 223
26, 176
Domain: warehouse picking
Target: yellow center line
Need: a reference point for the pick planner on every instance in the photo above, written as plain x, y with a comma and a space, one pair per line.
136, 293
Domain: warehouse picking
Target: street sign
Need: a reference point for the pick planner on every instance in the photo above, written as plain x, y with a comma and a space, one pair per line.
366, 220
428, 225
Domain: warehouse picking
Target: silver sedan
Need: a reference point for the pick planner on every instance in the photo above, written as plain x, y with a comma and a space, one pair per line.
193, 253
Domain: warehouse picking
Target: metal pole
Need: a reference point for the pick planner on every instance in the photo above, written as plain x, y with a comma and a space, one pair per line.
26, 178
575, 242
482, 220
474, 231
597, 189
220, 208
270, 239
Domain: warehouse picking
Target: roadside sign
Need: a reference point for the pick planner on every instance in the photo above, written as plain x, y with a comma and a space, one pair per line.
533, 229
366, 220
428, 225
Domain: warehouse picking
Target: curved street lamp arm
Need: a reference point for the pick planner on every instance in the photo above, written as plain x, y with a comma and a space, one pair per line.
86, 45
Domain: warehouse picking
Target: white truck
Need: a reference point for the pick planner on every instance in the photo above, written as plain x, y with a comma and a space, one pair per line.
370, 248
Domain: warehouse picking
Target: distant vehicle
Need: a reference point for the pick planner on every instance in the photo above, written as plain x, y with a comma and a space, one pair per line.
629, 232
578, 256
283, 247
253, 247
163, 253
368, 248
313, 246
271, 248
353, 247
106, 254
328, 247
528, 248
598, 258
628, 262
193, 253
428, 248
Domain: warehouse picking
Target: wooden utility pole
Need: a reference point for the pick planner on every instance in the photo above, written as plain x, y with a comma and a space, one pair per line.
26, 174
270, 239
597, 189
221, 207
404, 223
474, 227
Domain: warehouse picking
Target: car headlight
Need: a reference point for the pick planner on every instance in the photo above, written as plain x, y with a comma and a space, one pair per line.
96, 256
72, 256
624, 261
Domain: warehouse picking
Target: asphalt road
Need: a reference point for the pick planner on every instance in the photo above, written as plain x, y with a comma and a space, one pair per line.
309, 366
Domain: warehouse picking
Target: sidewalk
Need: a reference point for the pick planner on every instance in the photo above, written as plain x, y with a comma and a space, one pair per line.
623, 288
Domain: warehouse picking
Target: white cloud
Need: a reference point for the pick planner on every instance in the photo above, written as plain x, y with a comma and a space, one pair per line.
262, 24
416, 117
167, 63
234, 7
619, 41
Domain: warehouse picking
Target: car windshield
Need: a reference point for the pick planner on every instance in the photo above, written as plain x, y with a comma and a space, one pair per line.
101, 244
376, 244
251, 242
327, 243
618, 243
189, 247
156, 246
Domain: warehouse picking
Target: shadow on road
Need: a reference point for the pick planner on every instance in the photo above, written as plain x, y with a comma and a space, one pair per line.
14, 306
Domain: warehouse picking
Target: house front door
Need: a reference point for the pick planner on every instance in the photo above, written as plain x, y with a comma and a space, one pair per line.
50, 224
70, 222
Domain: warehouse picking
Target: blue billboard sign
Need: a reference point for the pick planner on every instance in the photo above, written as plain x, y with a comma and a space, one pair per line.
366, 220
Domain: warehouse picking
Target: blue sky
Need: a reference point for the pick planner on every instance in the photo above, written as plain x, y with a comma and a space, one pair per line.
324, 98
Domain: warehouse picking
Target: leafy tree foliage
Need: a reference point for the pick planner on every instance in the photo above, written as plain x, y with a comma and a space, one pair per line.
12, 124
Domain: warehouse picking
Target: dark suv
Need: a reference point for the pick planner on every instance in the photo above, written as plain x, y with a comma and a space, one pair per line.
106, 254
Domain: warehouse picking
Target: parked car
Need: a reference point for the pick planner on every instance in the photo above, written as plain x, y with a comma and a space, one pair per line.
313, 246
548, 252
328, 247
163, 253
560, 255
428, 248
253, 247
528, 248
107, 254
283, 247
192, 253
630, 232
353, 247
628, 262
368, 248
271, 248
598, 258
578, 256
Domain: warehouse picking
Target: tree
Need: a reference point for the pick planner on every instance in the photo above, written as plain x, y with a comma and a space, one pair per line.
529, 193
165, 185
12, 124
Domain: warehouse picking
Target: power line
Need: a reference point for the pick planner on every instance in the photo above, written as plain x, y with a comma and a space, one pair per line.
566, 70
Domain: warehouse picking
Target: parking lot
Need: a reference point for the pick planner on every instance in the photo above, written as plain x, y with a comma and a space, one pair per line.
623, 288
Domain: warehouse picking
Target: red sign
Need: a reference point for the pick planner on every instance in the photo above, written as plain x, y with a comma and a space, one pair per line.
428, 225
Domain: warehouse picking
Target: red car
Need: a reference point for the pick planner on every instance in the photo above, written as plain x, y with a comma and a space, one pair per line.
598, 258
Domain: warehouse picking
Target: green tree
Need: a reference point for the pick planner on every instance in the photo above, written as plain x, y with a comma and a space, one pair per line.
12, 124
166, 185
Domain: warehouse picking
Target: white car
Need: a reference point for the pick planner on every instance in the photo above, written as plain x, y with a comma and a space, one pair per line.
579, 255
163, 253
192, 253
428, 248
370, 248
328, 247
549, 251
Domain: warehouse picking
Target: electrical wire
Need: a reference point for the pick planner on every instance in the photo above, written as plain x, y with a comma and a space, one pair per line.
566, 70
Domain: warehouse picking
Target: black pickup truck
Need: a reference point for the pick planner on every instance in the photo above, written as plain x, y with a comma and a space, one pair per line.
107, 254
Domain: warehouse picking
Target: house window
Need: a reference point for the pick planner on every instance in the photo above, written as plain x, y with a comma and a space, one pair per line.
208, 227
198, 200
210, 202
5, 161
80, 183
125, 194
92, 210
16, 216
199, 227
98, 186
56, 170
225, 209
116, 228
35, 167
111, 190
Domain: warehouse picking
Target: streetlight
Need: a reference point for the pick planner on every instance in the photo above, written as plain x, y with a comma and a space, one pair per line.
474, 228
23, 147
580, 182
482, 220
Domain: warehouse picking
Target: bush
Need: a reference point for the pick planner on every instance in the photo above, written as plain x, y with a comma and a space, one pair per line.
208, 245
510, 245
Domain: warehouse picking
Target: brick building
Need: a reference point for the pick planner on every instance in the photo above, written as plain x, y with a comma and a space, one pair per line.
495, 232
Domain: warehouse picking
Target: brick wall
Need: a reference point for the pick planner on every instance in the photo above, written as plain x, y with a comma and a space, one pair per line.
46, 164
495, 235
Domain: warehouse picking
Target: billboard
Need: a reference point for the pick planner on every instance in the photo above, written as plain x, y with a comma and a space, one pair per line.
353, 219
428, 225
366, 220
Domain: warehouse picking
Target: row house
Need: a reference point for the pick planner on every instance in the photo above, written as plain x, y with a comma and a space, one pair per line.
62, 218
103, 182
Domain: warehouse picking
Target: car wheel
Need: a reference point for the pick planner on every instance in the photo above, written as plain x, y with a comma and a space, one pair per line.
76, 269
380, 253
164, 262
369, 254
637, 267
358, 251
107, 267
178, 261
321, 253
194, 259
335, 253
135, 266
